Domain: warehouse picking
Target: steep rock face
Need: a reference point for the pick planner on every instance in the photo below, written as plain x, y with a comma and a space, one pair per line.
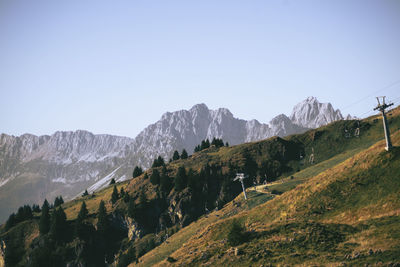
2, 253
64, 147
66, 163
187, 128
281, 126
310, 113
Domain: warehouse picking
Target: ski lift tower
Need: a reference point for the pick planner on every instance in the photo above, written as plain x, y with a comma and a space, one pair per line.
241, 177
381, 107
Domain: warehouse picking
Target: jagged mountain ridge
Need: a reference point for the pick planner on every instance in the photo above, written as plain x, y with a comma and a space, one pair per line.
36, 167
310, 113
66, 163
64, 147
185, 129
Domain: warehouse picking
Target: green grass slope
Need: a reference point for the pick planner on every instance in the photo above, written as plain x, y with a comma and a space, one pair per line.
330, 209
345, 215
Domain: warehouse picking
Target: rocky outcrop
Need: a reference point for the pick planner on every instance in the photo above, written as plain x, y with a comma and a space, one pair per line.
134, 231
2, 253
66, 163
310, 113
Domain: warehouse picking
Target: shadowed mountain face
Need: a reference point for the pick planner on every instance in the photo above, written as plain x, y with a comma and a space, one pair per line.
66, 163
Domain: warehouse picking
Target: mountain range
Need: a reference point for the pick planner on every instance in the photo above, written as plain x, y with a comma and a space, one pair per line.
341, 209
66, 163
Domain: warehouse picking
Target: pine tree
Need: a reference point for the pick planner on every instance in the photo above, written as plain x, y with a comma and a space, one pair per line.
102, 222
137, 172
83, 213
10, 222
58, 201
165, 181
27, 212
207, 143
184, 154
58, 224
131, 208
155, 163
175, 156
114, 195
35, 208
79, 223
112, 181
127, 197
155, 177
217, 142
236, 234
192, 180
122, 192
160, 161
142, 199
24, 213
197, 148
180, 179
44, 223
214, 142
203, 145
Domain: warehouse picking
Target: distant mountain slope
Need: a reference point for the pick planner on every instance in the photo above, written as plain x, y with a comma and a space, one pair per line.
187, 128
312, 114
33, 168
66, 163
182, 221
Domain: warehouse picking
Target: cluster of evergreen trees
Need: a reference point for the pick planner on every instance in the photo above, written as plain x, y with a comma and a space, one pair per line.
122, 194
137, 171
24, 213
176, 156
94, 241
158, 162
206, 144
209, 188
58, 201
197, 191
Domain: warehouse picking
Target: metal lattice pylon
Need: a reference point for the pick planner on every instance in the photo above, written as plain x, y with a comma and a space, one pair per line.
381, 107
241, 177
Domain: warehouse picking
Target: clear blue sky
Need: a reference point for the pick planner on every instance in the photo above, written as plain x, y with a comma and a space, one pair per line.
116, 66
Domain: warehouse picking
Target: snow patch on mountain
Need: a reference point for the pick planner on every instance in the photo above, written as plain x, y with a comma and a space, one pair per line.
3, 182
103, 182
59, 180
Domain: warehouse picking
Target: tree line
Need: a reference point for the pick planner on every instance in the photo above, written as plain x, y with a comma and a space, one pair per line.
206, 144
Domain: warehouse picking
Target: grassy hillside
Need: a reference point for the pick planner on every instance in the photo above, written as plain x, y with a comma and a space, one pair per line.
326, 211
330, 148
348, 214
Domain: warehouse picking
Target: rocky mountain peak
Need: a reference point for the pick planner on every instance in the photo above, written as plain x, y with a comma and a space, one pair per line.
310, 113
199, 107
72, 161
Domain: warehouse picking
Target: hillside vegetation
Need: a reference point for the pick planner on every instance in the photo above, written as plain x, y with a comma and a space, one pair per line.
341, 207
348, 214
